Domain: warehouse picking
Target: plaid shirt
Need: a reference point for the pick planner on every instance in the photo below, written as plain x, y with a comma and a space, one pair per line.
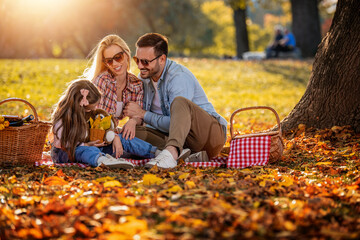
133, 91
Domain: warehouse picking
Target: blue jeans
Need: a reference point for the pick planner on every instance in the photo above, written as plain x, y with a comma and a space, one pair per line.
89, 155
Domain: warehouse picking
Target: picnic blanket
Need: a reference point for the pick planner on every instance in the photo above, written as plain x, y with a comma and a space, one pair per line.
214, 162
244, 152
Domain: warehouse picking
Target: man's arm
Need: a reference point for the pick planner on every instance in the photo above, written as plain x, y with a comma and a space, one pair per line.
181, 84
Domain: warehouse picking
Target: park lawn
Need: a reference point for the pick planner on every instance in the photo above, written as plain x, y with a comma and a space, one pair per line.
311, 192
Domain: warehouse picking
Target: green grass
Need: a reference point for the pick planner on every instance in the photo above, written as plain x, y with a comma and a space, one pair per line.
229, 84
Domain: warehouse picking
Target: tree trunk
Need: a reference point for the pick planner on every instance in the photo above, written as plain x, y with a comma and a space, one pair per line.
242, 41
306, 25
332, 96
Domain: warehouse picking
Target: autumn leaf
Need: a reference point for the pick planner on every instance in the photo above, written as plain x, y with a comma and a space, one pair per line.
4, 189
190, 185
175, 189
55, 180
113, 183
184, 176
151, 179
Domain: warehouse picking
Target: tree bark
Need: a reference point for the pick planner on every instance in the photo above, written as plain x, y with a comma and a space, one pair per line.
306, 25
332, 96
242, 41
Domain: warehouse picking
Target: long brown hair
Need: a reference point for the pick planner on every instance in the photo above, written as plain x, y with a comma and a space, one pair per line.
72, 115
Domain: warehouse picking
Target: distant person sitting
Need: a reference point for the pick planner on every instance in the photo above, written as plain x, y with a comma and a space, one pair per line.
286, 44
270, 50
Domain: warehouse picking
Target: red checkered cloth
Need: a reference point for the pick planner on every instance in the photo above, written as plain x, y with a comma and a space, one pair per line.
214, 162
246, 152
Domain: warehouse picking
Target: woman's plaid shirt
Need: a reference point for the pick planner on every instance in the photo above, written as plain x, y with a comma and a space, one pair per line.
133, 92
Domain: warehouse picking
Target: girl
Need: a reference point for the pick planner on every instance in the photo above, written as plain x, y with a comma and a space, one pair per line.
109, 71
70, 129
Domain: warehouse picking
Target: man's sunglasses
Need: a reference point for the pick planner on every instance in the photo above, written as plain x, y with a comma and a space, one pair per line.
145, 62
117, 57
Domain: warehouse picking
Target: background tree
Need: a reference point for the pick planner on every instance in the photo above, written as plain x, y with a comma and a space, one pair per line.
332, 95
241, 33
306, 25
188, 28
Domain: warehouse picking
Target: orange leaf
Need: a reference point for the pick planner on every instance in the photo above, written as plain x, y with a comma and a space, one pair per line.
54, 180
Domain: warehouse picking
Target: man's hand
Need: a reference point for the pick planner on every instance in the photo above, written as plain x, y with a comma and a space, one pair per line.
128, 130
133, 110
117, 147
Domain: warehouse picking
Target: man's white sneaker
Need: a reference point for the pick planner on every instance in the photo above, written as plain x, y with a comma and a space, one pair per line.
112, 162
163, 160
198, 157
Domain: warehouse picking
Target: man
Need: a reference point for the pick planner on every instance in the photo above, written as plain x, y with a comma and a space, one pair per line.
176, 109
286, 44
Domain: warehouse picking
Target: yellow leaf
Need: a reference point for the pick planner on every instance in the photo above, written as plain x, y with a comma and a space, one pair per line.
131, 227
289, 226
224, 175
183, 176
175, 189
288, 181
190, 184
262, 183
323, 163
151, 179
105, 179
105, 123
12, 179
3, 189
113, 183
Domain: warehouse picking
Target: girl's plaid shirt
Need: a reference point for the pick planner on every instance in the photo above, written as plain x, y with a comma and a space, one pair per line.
133, 91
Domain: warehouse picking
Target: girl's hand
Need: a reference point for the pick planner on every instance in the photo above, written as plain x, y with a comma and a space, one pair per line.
96, 143
128, 131
117, 147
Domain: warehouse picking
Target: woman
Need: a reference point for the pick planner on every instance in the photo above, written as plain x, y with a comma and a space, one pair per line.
109, 71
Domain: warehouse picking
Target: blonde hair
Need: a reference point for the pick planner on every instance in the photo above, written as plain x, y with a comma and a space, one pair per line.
97, 64
72, 115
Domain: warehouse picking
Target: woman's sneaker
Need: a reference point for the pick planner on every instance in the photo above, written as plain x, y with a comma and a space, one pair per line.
112, 162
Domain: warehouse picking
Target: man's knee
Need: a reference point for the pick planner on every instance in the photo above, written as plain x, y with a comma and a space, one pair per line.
179, 101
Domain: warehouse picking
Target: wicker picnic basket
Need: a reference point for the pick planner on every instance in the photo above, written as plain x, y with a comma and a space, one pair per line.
23, 144
277, 144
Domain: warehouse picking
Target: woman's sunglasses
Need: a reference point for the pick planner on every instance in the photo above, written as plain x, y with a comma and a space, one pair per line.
145, 62
117, 57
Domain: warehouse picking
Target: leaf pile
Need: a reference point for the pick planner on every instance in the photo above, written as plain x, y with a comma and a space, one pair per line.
312, 192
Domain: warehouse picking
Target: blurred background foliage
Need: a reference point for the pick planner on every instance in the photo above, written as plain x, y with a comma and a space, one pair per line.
196, 28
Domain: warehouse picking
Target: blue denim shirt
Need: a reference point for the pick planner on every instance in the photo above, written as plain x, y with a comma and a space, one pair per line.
176, 80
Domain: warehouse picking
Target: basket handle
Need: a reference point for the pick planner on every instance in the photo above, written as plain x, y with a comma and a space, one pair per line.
251, 108
24, 101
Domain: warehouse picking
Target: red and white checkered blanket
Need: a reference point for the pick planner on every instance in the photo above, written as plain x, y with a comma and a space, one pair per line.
246, 152
214, 162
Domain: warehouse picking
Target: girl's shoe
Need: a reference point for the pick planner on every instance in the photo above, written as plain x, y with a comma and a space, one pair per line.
112, 162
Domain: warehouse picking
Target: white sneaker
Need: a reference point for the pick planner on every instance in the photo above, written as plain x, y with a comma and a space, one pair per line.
112, 162
198, 157
163, 160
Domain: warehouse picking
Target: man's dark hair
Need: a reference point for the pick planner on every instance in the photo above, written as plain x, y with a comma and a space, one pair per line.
156, 40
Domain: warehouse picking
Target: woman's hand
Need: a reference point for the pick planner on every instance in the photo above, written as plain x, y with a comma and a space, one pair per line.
117, 147
96, 143
128, 131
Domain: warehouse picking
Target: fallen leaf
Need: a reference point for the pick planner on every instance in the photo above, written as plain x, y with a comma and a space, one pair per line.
151, 179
